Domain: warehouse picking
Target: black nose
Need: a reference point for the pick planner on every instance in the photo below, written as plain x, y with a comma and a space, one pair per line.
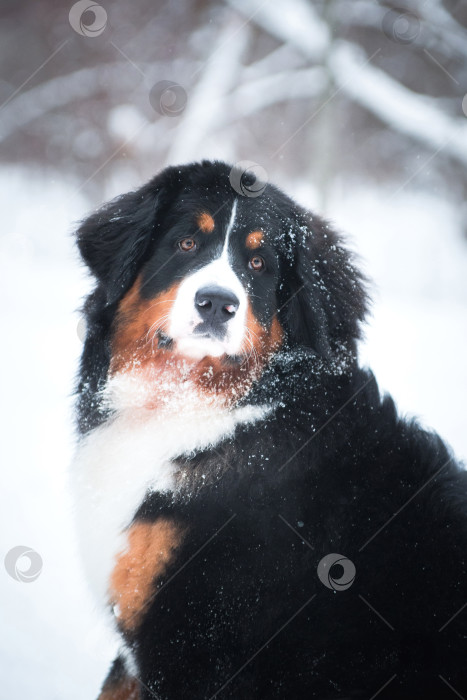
215, 304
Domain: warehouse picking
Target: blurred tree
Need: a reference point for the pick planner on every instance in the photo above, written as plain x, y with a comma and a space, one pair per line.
313, 91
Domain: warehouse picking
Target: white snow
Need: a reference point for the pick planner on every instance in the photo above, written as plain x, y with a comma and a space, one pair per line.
52, 644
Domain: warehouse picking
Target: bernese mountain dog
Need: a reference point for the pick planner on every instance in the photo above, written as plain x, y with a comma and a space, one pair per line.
256, 518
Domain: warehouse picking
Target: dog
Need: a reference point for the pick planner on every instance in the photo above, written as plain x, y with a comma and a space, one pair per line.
256, 518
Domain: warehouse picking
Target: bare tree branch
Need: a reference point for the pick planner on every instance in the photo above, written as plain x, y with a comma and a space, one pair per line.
437, 27
291, 21
206, 104
62, 91
417, 116
256, 95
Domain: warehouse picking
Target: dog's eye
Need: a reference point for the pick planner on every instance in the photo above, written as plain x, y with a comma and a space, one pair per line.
256, 263
187, 244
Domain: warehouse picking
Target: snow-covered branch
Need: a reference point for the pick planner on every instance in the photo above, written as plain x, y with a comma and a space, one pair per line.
280, 59
417, 116
256, 95
436, 25
205, 107
401, 109
59, 92
291, 21
436, 15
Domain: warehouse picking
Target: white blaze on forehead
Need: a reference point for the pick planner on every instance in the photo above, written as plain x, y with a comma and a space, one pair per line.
225, 249
184, 316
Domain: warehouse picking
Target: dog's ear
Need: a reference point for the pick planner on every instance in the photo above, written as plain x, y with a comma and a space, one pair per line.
326, 301
116, 239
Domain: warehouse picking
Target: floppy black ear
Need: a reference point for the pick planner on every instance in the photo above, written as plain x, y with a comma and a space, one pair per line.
116, 239
327, 297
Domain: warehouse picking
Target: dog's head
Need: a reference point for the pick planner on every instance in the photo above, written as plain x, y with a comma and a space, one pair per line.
188, 266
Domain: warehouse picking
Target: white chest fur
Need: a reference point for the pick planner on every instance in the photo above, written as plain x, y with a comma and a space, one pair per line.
116, 464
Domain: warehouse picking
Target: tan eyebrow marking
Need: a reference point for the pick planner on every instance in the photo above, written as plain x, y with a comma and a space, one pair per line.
205, 222
254, 239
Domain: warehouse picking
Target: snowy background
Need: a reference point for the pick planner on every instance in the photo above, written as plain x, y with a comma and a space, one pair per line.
356, 108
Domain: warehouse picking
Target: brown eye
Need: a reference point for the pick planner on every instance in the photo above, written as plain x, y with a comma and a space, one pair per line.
187, 244
256, 263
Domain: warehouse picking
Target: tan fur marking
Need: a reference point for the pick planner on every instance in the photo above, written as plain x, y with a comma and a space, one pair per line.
205, 222
254, 240
136, 324
264, 341
150, 549
276, 335
235, 380
125, 689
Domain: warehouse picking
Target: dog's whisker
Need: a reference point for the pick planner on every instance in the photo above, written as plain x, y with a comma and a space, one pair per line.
154, 329
162, 301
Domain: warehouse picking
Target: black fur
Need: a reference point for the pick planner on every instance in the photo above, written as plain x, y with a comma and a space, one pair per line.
241, 612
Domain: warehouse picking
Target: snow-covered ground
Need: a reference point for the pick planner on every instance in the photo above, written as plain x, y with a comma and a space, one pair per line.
52, 645
416, 340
